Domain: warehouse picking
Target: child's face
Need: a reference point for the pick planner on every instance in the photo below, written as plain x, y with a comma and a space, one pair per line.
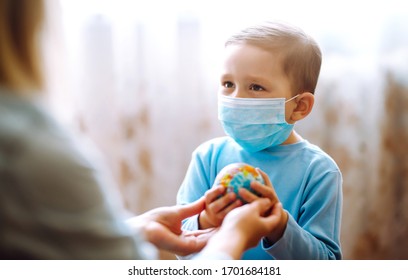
252, 72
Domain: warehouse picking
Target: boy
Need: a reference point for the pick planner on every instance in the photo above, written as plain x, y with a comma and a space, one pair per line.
269, 77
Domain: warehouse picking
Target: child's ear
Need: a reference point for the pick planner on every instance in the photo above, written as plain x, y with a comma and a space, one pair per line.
304, 105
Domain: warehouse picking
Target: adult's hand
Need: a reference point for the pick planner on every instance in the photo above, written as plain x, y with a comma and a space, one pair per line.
162, 228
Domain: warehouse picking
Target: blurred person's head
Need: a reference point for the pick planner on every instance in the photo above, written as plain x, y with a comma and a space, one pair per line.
20, 40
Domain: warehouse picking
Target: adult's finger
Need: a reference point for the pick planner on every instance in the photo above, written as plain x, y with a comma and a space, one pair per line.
186, 245
191, 209
274, 216
261, 205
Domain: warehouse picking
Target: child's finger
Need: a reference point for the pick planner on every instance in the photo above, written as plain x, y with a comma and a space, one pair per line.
247, 195
265, 191
221, 203
213, 194
265, 177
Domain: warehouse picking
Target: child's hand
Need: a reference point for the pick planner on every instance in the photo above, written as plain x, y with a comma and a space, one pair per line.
267, 191
217, 205
243, 227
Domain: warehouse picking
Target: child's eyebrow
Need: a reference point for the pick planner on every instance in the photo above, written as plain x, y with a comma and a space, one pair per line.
225, 76
257, 79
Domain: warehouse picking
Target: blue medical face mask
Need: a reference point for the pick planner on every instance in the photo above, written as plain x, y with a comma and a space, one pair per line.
254, 123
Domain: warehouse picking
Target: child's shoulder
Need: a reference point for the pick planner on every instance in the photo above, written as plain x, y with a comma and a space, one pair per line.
319, 156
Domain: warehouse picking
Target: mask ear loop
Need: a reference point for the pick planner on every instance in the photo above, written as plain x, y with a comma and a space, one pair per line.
290, 99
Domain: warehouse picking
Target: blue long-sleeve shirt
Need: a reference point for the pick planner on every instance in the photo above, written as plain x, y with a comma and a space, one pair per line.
307, 181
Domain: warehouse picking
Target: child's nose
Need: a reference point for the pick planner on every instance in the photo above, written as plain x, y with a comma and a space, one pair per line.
240, 93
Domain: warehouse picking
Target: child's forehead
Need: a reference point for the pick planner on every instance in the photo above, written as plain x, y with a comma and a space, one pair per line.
276, 50
249, 52
251, 63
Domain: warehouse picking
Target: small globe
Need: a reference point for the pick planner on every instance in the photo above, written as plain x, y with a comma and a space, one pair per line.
238, 175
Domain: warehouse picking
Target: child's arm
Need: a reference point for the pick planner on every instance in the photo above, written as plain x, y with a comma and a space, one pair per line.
316, 234
283, 237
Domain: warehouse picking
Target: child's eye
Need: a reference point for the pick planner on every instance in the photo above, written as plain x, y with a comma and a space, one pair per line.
227, 84
256, 87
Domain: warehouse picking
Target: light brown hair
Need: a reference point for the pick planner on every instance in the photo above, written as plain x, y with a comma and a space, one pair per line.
20, 25
300, 55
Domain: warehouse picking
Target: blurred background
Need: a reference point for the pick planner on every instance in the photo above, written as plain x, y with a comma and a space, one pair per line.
139, 78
